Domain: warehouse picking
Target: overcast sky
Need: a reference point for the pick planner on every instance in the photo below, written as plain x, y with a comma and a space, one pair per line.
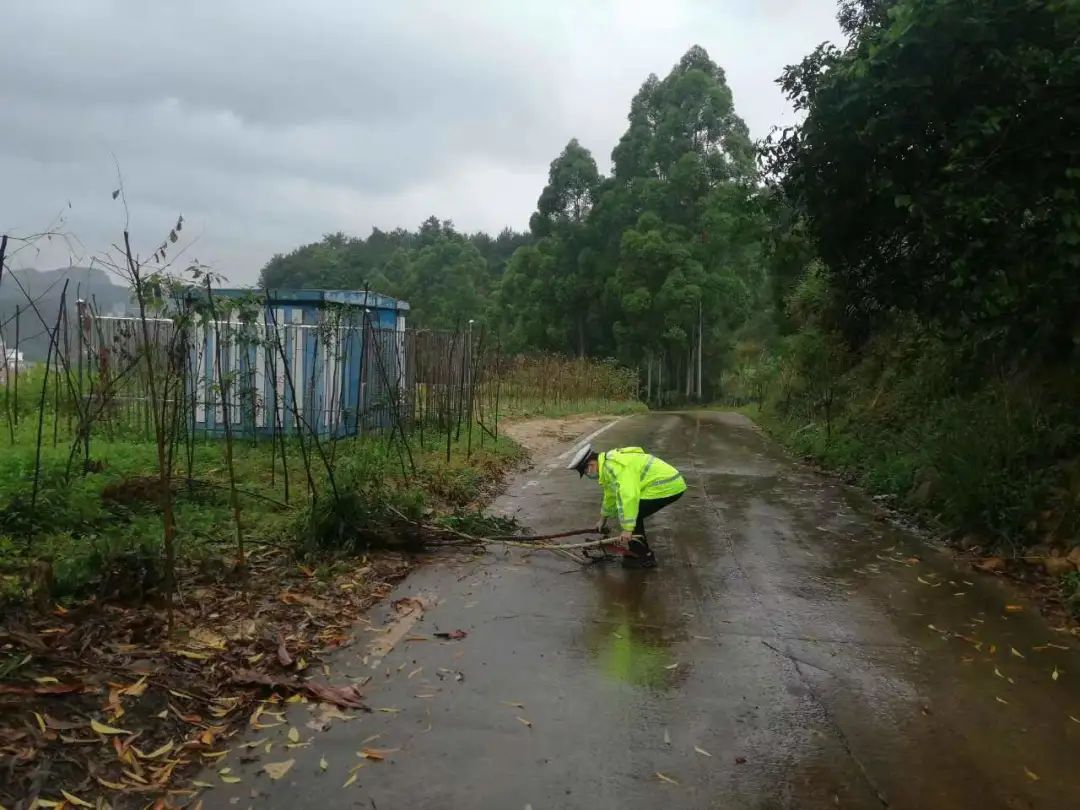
267, 124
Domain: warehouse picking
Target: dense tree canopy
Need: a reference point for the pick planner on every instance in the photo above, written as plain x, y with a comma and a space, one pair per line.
937, 165
647, 265
444, 275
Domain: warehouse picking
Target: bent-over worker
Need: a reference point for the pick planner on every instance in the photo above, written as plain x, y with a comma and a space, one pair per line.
635, 485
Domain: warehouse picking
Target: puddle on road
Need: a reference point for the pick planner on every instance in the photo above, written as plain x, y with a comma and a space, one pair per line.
630, 631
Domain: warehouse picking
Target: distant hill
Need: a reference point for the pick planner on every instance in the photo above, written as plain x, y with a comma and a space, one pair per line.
44, 286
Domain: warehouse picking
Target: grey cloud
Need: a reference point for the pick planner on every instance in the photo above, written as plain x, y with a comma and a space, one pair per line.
270, 123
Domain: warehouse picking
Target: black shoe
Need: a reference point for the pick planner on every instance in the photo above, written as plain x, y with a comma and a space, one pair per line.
640, 556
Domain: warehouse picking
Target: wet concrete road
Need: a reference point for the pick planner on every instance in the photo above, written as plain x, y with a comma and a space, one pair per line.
789, 651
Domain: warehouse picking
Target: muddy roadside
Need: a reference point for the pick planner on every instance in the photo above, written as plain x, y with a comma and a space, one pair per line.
542, 435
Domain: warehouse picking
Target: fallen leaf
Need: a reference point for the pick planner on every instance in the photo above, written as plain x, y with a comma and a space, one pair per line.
166, 748
1055, 674
207, 638
75, 800
453, 635
1034, 777
40, 721
254, 743
667, 737
390, 710
294, 735
41, 689
377, 754
998, 672
46, 679
513, 704
1075, 720
664, 778
525, 722
740, 760
323, 764
230, 780
416, 671
350, 780
117, 785
283, 653
702, 751
347, 696
136, 689
1016, 652
192, 654
101, 728
1014, 608
672, 666
276, 770
1001, 700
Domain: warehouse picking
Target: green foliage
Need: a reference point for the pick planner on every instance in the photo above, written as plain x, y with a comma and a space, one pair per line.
446, 276
936, 167
923, 255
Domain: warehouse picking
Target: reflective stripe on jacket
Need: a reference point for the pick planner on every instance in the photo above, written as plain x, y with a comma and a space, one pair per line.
628, 475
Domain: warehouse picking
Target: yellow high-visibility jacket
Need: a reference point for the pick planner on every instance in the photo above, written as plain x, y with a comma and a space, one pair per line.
628, 475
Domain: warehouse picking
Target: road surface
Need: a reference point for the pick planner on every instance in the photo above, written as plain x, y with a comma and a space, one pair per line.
793, 649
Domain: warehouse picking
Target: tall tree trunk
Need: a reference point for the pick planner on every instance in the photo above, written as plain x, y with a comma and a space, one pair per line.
699, 328
648, 378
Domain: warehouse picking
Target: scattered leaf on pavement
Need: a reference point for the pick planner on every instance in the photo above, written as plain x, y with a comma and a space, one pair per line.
525, 722
1055, 674
229, 779
1014, 608
323, 764
1034, 777
377, 754
453, 635
664, 778
1016, 652
347, 697
1001, 700
276, 770
667, 737
75, 800
294, 735
350, 780
702, 751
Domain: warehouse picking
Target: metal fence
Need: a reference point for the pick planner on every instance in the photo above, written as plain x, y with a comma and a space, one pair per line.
333, 380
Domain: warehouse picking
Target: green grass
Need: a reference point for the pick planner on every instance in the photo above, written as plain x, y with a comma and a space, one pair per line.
86, 525
995, 458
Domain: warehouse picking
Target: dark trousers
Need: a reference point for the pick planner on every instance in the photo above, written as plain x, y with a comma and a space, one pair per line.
650, 506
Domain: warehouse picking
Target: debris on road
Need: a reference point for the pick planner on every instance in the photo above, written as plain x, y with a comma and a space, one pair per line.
453, 635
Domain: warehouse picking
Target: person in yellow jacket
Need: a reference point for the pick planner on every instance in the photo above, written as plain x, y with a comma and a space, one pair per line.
636, 485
